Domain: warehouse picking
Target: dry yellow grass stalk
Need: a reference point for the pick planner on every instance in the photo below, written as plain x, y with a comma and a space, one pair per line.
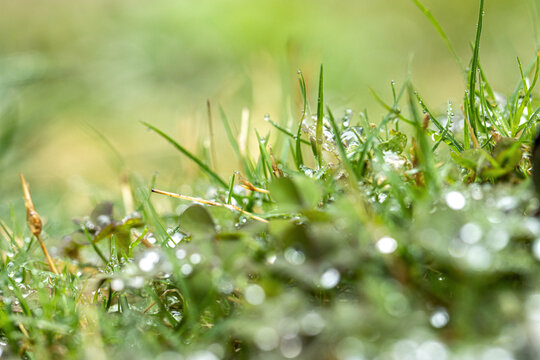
34, 222
212, 203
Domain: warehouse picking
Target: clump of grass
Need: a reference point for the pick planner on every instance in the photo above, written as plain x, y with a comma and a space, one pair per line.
413, 236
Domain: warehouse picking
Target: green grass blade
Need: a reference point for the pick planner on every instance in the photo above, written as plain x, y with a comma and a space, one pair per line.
391, 109
441, 32
448, 135
283, 130
320, 114
341, 149
528, 91
425, 154
299, 157
192, 157
264, 157
231, 187
473, 70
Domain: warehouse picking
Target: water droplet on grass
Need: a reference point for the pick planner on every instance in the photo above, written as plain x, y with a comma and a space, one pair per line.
497, 239
294, 257
186, 269
470, 233
270, 259
180, 254
202, 355
266, 339
312, 323
478, 258
149, 260
496, 353
430, 350
136, 282
255, 294
330, 278
195, 258
387, 245
536, 248
290, 347
117, 284
455, 200
439, 318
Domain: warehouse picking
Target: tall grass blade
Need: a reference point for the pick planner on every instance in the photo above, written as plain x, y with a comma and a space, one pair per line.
441, 32
473, 70
341, 149
184, 151
299, 157
320, 115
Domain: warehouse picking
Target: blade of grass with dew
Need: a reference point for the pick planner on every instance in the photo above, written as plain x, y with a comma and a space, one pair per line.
394, 111
474, 66
449, 136
320, 114
341, 149
303, 92
184, 151
529, 124
265, 158
441, 32
446, 127
426, 155
528, 91
231, 188
514, 98
283, 130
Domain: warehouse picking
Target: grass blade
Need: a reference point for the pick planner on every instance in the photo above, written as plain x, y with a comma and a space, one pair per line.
320, 114
441, 32
184, 151
472, 73
341, 149
302, 83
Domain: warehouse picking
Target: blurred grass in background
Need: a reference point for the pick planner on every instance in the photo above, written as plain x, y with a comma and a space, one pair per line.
70, 68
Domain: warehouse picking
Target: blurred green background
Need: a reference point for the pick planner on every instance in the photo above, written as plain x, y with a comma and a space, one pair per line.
68, 68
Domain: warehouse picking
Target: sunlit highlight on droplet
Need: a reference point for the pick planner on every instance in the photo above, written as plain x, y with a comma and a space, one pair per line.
330, 278
455, 200
255, 294
387, 245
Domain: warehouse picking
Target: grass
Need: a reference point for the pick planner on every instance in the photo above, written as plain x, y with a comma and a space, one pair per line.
413, 237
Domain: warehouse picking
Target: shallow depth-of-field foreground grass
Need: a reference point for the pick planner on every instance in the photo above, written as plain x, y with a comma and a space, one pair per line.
414, 236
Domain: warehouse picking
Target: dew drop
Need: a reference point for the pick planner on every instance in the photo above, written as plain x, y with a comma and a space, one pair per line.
312, 323
180, 254
455, 200
290, 347
186, 269
387, 245
294, 257
439, 318
255, 294
195, 258
536, 248
148, 262
117, 284
470, 233
266, 339
330, 278
478, 258
136, 282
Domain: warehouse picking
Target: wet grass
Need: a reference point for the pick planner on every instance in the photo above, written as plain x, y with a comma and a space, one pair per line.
344, 237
